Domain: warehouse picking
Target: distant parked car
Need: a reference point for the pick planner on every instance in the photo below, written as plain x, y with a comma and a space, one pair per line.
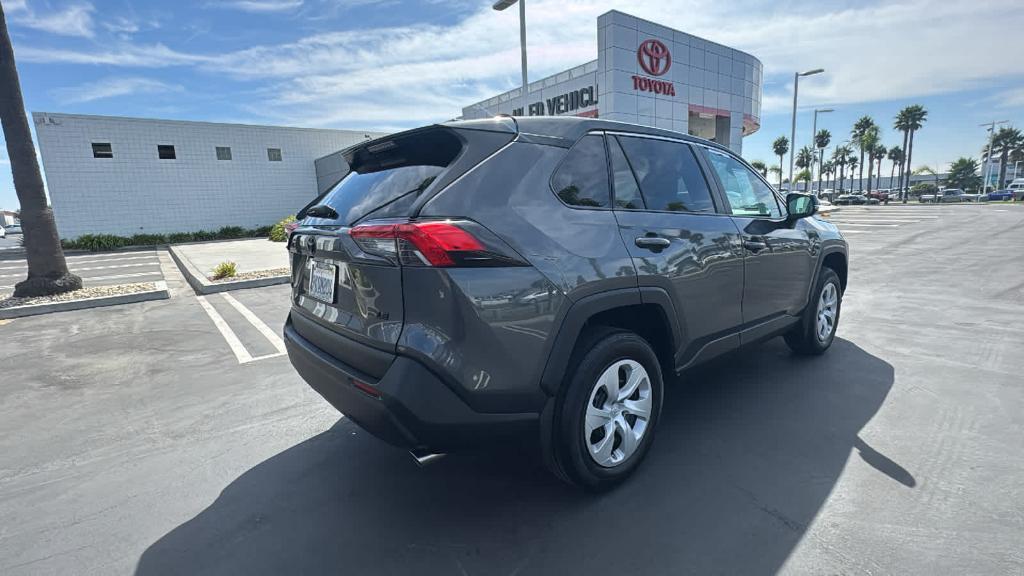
880, 195
1017, 187
847, 199
944, 196
3, 233
1006, 194
13, 228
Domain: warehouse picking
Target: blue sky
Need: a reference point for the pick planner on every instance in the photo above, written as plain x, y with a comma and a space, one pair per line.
391, 64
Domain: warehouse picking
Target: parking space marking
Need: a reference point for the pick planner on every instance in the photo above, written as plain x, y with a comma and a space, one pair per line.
229, 335
71, 263
868, 224
115, 277
91, 268
258, 324
241, 353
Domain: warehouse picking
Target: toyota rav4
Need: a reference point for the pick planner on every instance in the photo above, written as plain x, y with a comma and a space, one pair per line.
479, 280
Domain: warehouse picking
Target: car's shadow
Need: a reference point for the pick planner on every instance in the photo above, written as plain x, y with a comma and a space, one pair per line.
747, 452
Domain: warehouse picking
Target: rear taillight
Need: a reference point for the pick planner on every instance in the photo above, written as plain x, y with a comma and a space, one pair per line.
439, 243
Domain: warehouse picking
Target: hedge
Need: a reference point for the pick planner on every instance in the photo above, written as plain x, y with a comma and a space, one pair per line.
102, 242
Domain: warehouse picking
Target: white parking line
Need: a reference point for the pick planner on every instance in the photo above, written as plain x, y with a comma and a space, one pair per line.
114, 277
241, 353
23, 264
88, 269
866, 224
256, 323
229, 335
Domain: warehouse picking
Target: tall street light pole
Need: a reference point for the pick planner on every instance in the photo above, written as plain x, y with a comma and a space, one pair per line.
792, 132
988, 161
499, 6
814, 144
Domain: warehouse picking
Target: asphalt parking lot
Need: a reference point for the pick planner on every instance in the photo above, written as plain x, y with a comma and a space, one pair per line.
172, 437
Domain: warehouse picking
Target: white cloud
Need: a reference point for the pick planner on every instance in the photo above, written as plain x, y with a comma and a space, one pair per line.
74, 19
121, 25
112, 87
1013, 98
260, 5
127, 55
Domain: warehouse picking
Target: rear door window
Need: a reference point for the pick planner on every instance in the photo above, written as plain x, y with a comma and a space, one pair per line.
627, 192
668, 175
582, 179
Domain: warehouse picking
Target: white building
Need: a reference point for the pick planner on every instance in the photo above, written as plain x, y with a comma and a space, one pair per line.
646, 73
128, 175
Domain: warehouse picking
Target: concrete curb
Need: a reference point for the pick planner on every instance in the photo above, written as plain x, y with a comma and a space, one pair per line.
160, 293
202, 285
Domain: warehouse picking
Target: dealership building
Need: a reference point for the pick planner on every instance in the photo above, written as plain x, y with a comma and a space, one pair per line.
646, 73
128, 176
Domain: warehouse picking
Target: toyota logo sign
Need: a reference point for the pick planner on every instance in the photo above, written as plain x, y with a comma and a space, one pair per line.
654, 57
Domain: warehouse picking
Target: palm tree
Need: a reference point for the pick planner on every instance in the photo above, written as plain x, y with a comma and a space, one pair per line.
861, 127
909, 120
760, 167
804, 160
928, 170
896, 156
963, 174
47, 270
839, 156
868, 141
828, 168
776, 170
852, 162
878, 154
1004, 142
821, 141
781, 148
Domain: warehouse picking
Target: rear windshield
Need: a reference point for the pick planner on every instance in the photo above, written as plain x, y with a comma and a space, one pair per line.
386, 177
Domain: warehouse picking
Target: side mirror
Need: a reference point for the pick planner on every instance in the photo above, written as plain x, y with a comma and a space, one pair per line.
801, 205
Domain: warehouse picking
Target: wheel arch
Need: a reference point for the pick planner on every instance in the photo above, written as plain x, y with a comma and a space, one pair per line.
648, 312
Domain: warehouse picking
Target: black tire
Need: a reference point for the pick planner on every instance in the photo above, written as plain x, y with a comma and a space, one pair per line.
803, 338
566, 445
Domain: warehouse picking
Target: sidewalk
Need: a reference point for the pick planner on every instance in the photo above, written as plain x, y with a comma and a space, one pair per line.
259, 262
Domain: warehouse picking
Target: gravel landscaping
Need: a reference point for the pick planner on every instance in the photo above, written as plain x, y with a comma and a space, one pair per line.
83, 294
255, 274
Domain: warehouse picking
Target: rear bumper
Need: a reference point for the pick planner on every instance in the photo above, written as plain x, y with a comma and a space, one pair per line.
415, 409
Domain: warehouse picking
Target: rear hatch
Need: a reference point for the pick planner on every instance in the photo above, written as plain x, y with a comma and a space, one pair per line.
347, 254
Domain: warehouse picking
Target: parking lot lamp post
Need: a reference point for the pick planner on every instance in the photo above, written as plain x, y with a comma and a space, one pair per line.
499, 6
792, 131
814, 134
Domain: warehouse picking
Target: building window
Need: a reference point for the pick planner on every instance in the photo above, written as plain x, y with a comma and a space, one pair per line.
274, 154
102, 150
165, 152
223, 153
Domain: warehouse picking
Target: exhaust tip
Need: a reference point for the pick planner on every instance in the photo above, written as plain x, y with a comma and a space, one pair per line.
424, 457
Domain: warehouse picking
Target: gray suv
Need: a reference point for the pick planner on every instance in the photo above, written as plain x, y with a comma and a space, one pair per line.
483, 280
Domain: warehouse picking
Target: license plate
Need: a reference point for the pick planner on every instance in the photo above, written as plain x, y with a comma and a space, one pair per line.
322, 278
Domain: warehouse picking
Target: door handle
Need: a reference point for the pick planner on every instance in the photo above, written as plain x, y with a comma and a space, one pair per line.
652, 243
755, 245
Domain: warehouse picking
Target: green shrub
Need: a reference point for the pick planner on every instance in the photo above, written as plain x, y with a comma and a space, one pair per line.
923, 188
232, 232
100, 242
225, 270
278, 232
147, 239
